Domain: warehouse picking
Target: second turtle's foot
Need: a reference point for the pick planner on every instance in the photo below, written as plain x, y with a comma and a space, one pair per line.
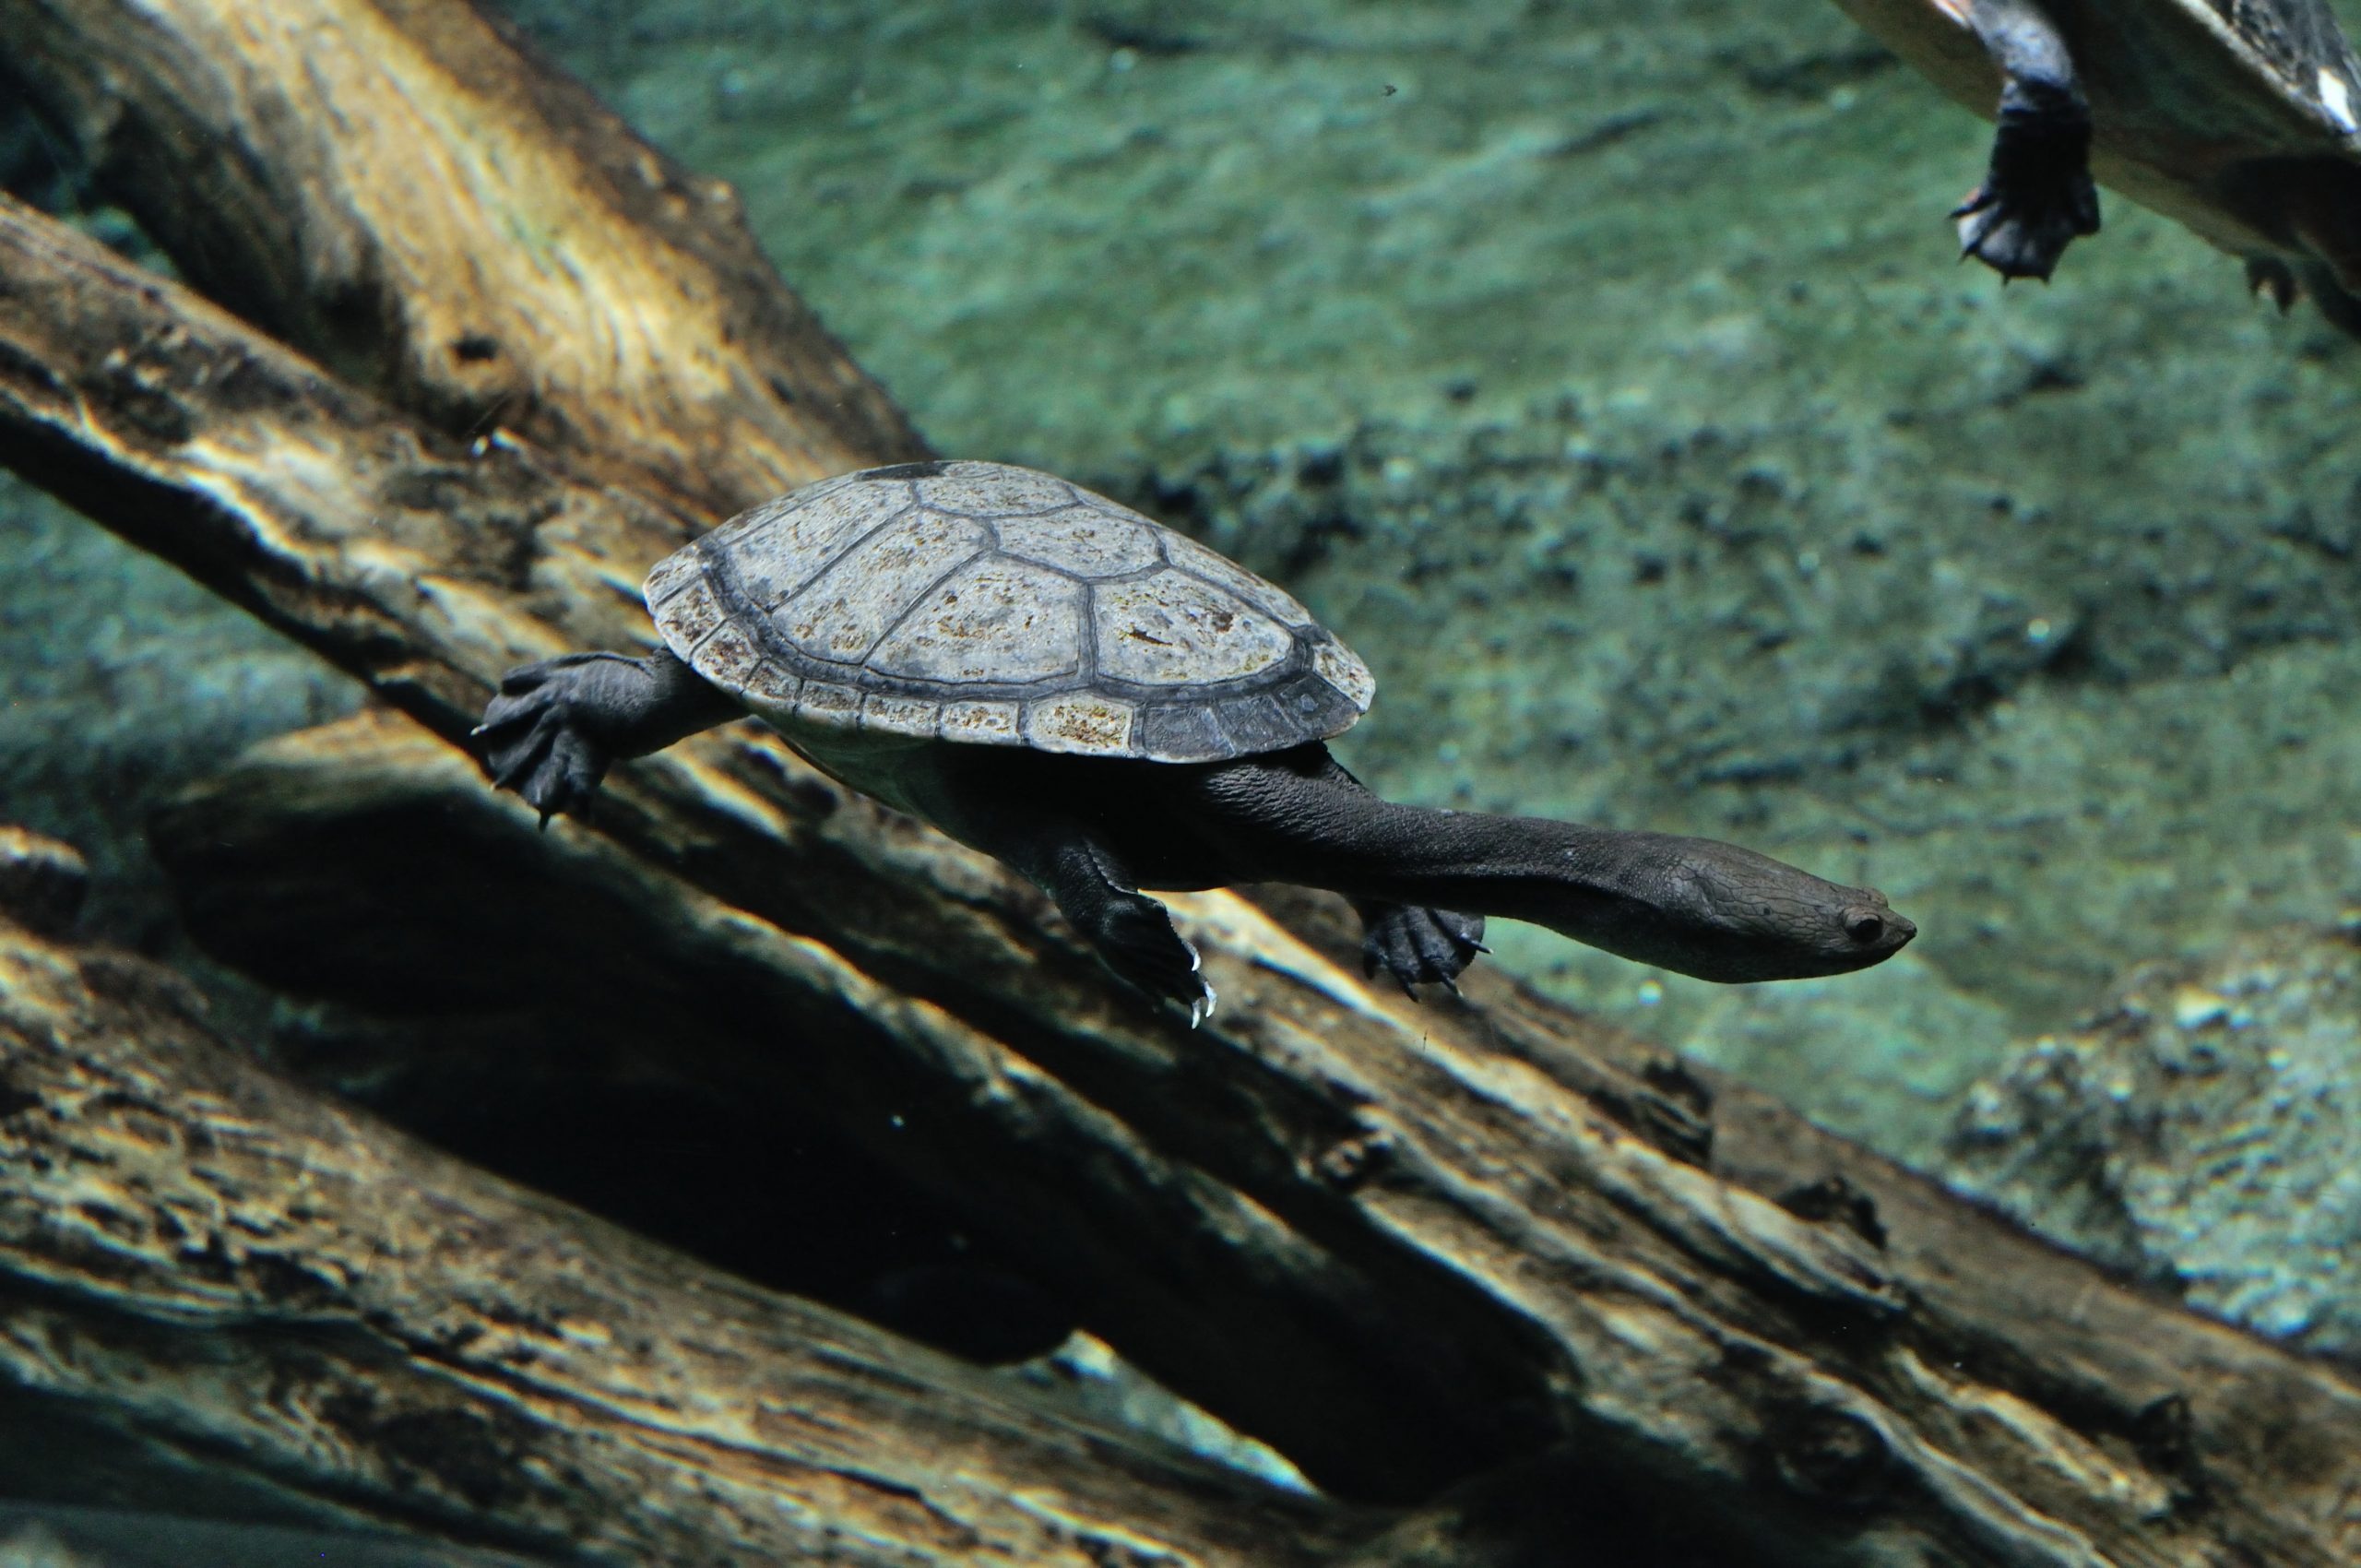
2272, 278
1135, 936
2283, 285
1418, 946
541, 735
2036, 198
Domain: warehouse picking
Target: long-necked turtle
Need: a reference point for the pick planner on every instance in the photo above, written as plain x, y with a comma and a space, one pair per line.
1106, 706
2239, 118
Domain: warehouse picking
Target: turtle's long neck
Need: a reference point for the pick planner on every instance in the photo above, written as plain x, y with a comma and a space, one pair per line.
1296, 821
1695, 905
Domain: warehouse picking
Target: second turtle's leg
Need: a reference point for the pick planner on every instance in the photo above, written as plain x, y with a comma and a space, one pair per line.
2038, 195
557, 727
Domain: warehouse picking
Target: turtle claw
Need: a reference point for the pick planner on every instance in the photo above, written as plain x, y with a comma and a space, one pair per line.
1201, 1007
2272, 280
2013, 241
2037, 198
1135, 936
1419, 946
534, 738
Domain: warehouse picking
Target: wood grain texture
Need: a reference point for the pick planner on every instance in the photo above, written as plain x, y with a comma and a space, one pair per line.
366, 861
1801, 1376
228, 1266
333, 169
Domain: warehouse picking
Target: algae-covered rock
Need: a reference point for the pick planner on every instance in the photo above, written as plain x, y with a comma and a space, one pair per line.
2204, 1129
2024, 728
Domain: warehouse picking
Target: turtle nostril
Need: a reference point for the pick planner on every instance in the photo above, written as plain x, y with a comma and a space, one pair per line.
1863, 927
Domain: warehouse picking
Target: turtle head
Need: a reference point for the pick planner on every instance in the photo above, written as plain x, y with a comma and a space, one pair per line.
1724, 913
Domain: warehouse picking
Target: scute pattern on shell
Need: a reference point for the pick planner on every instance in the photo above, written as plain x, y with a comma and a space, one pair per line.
995, 605
2301, 42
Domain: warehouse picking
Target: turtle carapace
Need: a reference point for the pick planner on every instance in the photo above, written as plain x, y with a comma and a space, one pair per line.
2241, 118
1108, 705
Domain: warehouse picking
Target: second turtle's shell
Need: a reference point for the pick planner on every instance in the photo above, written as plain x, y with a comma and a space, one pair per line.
981, 602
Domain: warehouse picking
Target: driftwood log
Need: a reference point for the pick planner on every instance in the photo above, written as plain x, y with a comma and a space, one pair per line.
1493, 1248
546, 274
226, 1264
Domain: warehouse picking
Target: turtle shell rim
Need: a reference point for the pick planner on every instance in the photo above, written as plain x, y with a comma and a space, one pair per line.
732, 647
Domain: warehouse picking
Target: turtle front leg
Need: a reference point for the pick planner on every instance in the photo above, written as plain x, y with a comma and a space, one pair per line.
1417, 945
557, 727
2037, 196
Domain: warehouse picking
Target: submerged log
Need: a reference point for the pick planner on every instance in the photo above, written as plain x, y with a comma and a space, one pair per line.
261, 1285
41, 881
542, 272
1930, 1385
368, 862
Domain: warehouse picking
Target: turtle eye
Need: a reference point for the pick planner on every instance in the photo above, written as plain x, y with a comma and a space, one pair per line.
1863, 927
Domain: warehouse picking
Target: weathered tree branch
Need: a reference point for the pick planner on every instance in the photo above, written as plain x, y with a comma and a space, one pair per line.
243, 1276
357, 840
368, 858
297, 160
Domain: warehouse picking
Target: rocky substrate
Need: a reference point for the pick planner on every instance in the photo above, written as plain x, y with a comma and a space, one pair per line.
2202, 1130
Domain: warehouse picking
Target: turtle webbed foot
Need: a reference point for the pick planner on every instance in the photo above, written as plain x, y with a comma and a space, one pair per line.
2036, 197
541, 735
1418, 946
1134, 935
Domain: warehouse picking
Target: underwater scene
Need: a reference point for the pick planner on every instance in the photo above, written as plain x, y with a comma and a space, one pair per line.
1109, 784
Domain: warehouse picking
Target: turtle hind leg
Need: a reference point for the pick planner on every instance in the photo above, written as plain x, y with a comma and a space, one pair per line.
1132, 933
557, 727
2321, 199
1417, 946
2283, 285
2037, 196
1135, 935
